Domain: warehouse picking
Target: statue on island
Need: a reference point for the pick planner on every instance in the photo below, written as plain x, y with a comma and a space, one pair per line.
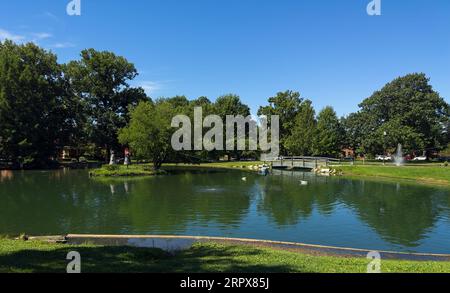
112, 160
127, 160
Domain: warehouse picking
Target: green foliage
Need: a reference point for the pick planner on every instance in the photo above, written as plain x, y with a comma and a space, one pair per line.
125, 171
300, 133
85, 104
43, 257
446, 152
286, 105
230, 105
329, 134
301, 141
37, 112
435, 175
111, 167
101, 81
149, 131
408, 110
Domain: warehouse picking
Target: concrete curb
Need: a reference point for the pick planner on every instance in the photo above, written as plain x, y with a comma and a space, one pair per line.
175, 243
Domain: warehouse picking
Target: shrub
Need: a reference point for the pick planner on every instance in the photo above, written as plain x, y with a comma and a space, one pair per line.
148, 168
112, 168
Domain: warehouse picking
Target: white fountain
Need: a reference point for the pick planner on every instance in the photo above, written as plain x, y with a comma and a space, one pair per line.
398, 158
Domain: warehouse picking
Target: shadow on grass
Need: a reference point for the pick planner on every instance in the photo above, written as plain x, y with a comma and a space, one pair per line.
198, 259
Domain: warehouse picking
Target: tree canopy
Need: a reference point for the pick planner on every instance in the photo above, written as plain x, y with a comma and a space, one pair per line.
329, 134
287, 106
407, 110
90, 104
149, 131
36, 110
101, 81
301, 140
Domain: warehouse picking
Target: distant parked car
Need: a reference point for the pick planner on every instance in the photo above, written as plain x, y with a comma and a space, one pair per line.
420, 159
383, 158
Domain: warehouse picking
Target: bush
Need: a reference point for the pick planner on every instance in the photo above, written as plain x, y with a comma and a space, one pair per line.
148, 168
111, 168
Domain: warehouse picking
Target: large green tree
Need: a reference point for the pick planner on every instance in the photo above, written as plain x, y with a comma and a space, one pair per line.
301, 141
101, 81
231, 105
286, 105
329, 134
37, 111
149, 131
407, 111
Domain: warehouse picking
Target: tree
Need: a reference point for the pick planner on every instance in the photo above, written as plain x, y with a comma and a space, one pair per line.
356, 128
329, 134
37, 112
149, 131
231, 105
208, 108
286, 105
303, 131
409, 111
101, 80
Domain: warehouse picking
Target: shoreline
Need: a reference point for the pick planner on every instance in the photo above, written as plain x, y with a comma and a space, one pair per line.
386, 173
181, 242
347, 172
37, 256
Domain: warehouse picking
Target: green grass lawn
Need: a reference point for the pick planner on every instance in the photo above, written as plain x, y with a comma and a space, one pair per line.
34, 256
223, 164
432, 174
426, 173
232, 165
125, 171
137, 170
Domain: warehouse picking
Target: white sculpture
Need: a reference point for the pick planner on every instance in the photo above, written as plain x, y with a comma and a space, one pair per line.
112, 160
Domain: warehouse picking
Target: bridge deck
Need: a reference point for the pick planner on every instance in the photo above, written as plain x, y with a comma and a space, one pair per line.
303, 162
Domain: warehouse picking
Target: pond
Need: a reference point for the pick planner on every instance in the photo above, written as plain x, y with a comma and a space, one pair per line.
331, 211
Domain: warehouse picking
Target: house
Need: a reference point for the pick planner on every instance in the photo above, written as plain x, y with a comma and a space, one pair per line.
68, 153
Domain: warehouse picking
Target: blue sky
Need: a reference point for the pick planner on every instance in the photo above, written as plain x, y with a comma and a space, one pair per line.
330, 51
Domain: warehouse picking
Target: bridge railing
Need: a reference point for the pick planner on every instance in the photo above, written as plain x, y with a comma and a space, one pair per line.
304, 160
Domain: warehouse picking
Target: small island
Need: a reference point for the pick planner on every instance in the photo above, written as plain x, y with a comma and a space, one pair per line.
126, 171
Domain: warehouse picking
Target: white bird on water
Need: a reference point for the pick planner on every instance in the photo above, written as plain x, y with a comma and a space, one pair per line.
244, 178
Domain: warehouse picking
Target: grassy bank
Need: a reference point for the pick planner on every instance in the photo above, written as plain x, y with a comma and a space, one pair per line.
125, 171
222, 165
427, 173
33, 256
147, 169
232, 165
430, 174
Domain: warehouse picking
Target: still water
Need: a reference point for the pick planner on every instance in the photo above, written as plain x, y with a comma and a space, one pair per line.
329, 211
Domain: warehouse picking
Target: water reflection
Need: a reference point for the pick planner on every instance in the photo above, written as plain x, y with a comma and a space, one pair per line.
6, 175
330, 211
